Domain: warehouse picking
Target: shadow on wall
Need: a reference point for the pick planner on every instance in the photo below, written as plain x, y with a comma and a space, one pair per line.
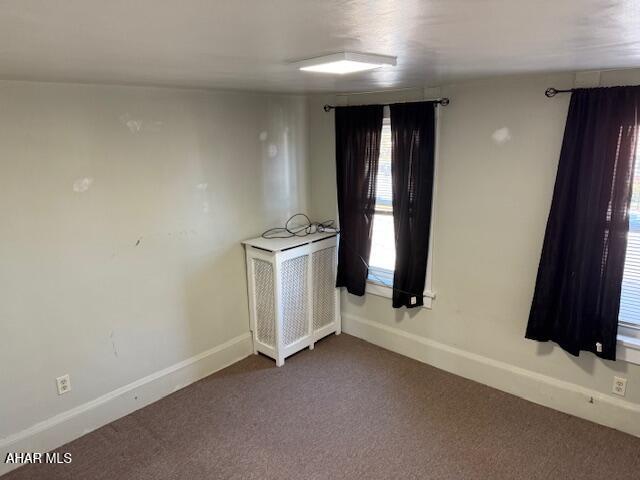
249, 171
283, 157
586, 361
405, 313
400, 314
215, 299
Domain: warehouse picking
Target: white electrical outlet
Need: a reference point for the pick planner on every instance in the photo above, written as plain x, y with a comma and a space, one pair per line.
619, 386
64, 384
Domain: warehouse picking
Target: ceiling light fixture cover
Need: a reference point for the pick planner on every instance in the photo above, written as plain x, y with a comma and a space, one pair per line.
345, 62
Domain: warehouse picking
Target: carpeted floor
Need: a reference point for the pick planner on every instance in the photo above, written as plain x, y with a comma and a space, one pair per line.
346, 410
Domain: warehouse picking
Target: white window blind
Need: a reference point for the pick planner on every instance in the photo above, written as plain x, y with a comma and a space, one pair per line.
383, 181
630, 296
383, 250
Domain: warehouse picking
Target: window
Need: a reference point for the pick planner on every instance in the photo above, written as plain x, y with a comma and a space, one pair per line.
383, 249
382, 259
629, 316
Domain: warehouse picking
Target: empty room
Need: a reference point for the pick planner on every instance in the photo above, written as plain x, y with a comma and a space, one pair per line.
338, 239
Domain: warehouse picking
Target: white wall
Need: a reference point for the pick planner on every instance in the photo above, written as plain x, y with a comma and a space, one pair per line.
491, 209
139, 268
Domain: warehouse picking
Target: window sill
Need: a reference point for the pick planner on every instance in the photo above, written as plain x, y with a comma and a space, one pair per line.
381, 290
628, 349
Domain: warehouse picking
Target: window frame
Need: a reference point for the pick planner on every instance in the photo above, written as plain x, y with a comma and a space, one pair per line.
380, 289
383, 277
628, 342
628, 348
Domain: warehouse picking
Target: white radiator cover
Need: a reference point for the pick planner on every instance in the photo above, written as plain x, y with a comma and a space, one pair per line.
293, 301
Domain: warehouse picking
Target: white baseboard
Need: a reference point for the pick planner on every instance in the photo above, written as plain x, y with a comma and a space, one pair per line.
60, 429
541, 389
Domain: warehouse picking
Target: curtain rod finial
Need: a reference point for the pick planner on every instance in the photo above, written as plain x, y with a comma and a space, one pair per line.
327, 108
550, 92
444, 101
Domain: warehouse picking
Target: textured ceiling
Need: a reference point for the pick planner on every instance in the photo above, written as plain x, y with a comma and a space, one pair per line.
243, 44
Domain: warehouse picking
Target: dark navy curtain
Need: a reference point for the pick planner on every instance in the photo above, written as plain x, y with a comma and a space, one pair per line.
358, 134
412, 169
577, 293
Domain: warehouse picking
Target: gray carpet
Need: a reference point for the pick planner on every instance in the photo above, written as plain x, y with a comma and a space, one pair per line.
346, 410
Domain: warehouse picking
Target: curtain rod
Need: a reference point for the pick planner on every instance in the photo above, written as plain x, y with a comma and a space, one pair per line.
552, 92
444, 101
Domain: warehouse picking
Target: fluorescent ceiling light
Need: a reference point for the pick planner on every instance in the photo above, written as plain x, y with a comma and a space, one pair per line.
345, 62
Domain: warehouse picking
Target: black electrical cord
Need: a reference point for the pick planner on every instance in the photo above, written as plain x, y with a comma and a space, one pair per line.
309, 227
300, 230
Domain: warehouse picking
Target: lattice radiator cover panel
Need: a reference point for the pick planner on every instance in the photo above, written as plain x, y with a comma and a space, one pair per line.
324, 285
295, 294
265, 302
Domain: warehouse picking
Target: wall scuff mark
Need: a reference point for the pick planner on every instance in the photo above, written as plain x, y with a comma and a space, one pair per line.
272, 150
82, 184
113, 344
137, 125
501, 136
